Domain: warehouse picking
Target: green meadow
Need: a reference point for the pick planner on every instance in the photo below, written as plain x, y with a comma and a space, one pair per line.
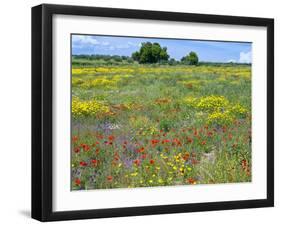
143, 125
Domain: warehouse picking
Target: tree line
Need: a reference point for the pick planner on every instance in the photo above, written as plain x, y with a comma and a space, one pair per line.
149, 53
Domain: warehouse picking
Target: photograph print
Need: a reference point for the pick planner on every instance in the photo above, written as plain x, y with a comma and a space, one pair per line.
159, 112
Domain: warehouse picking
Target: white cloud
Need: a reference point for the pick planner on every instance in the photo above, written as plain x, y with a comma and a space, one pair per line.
231, 61
84, 40
127, 45
105, 43
245, 57
133, 44
88, 42
122, 46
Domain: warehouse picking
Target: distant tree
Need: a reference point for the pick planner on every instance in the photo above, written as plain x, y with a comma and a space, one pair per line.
116, 58
130, 60
172, 61
106, 59
150, 53
190, 59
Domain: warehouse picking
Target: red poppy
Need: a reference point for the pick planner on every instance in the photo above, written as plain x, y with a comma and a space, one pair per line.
143, 156
141, 150
186, 156
76, 149
209, 134
85, 147
77, 182
111, 138
154, 142
230, 136
109, 178
165, 141
191, 180
176, 142
137, 162
95, 162
203, 142
151, 161
189, 140
244, 164
116, 157
82, 163
74, 138
100, 136
97, 151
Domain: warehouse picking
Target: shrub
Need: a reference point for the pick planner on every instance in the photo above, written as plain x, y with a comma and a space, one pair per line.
191, 59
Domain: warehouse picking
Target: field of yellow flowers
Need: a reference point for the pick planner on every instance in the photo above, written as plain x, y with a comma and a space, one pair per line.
140, 126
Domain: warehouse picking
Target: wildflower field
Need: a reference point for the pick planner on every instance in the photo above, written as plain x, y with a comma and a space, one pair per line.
143, 125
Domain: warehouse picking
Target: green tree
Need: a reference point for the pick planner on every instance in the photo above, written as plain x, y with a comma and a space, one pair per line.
136, 56
190, 59
163, 54
150, 53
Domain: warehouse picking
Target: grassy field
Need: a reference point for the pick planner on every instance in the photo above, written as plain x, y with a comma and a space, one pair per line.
140, 126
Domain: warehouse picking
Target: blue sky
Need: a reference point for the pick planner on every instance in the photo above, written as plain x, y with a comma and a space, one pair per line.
212, 51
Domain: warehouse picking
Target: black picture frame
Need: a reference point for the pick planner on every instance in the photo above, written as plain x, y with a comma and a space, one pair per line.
42, 86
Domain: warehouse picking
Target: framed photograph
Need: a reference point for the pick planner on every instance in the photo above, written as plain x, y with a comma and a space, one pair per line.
145, 112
